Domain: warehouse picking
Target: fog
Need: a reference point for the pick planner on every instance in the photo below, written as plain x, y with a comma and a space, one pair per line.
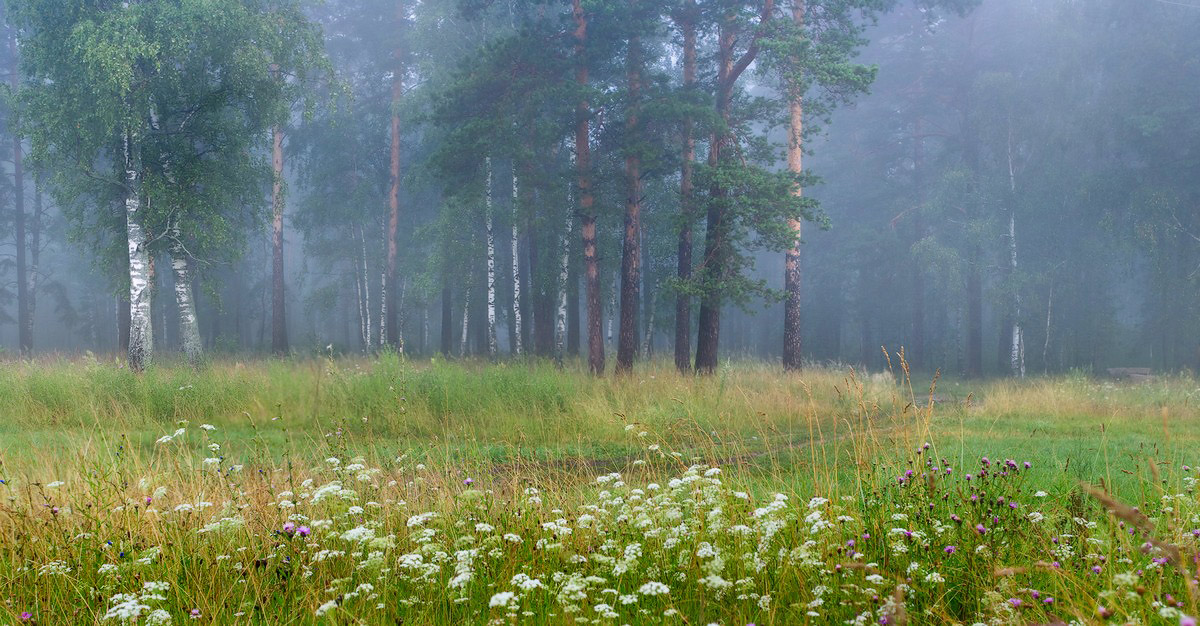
1007, 188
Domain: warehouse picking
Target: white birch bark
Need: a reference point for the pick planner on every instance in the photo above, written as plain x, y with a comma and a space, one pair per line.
1017, 354
368, 332
491, 263
189, 327
466, 318
383, 311
359, 274
141, 325
516, 271
560, 320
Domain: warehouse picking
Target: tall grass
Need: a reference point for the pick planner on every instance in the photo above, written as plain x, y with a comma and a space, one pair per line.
383, 491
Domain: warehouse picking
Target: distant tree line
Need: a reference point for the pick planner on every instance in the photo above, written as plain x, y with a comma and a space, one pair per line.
996, 188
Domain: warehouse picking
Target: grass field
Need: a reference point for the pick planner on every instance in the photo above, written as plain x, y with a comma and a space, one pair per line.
381, 491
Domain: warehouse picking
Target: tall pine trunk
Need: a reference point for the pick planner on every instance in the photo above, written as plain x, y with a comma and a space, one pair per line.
279, 337
715, 240
586, 199
141, 321
631, 250
189, 326
683, 301
717, 244
792, 341
390, 326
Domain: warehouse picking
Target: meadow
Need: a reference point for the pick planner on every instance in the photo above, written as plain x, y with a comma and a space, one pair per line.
381, 491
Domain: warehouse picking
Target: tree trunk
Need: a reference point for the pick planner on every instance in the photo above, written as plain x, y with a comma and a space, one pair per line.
363, 336
466, 323
517, 323
189, 327
586, 199
447, 319
35, 250
368, 326
24, 312
24, 308
279, 338
974, 315
683, 301
631, 250
141, 321
1017, 351
389, 324
916, 351
792, 340
492, 346
560, 319
715, 240
572, 297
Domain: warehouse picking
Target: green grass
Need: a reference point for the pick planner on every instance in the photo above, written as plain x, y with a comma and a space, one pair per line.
418, 430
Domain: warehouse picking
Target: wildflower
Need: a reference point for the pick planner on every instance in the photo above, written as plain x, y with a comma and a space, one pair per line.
950, 549
981, 529
468, 482
1015, 602
195, 613
208, 427
653, 588
289, 528
327, 607
26, 616
501, 599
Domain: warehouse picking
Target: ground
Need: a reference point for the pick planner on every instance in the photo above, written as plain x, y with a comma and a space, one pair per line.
381, 490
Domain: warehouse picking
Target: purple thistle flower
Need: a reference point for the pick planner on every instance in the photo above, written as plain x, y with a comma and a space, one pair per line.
289, 528
1187, 620
981, 529
304, 531
26, 616
950, 549
195, 614
1028, 465
1048, 600
956, 518
468, 481
1016, 602
969, 477
985, 461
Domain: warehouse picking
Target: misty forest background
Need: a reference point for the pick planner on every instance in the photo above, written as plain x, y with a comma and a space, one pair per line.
1008, 186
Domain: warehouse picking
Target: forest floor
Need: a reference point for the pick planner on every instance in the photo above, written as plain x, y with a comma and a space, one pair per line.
380, 491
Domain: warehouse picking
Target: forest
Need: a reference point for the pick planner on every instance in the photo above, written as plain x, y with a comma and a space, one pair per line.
997, 187
685, 312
